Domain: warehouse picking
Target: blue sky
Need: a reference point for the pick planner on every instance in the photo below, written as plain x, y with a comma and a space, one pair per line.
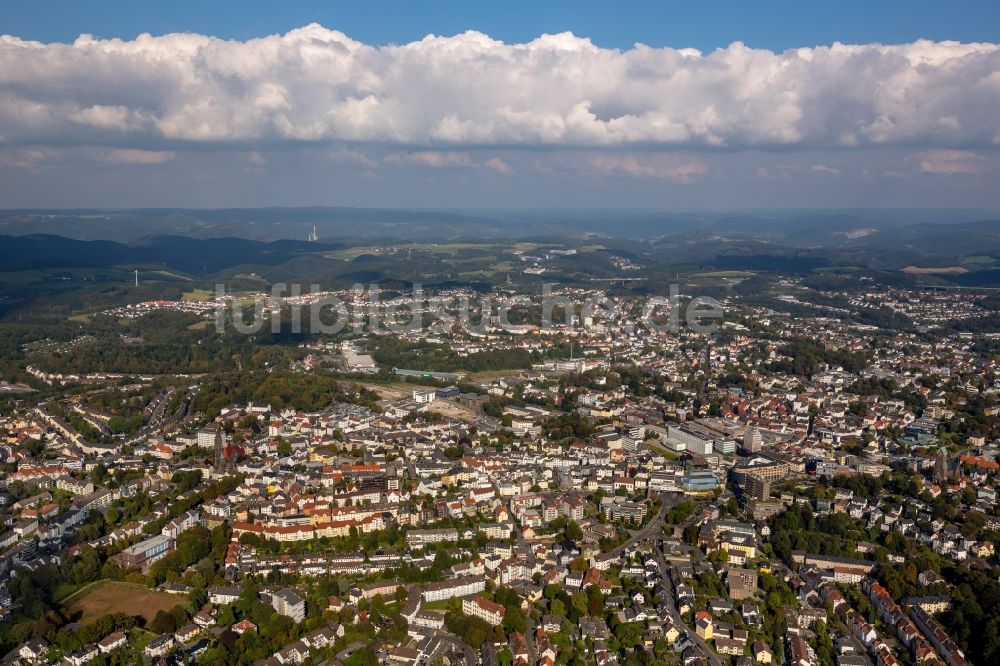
727, 104
703, 25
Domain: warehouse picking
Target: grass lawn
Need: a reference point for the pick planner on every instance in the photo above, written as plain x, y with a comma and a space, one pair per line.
140, 638
114, 597
662, 450
354, 659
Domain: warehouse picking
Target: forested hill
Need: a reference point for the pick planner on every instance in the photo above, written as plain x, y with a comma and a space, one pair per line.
190, 255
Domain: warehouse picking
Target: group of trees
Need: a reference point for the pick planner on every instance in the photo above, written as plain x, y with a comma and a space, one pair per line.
806, 358
974, 619
558, 602
798, 528
307, 392
186, 480
886, 389
35, 595
393, 352
681, 512
971, 418
197, 560
566, 426
193, 546
70, 641
159, 343
354, 542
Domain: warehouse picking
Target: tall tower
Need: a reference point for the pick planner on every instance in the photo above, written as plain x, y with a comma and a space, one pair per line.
137, 277
220, 456
941, 466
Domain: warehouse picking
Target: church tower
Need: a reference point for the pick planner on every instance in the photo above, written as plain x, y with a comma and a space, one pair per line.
220, 447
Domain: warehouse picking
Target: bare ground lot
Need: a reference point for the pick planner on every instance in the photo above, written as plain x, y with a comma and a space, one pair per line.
113, 597
404, 391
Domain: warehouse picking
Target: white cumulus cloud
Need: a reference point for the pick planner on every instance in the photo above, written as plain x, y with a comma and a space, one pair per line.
823, 168
499, 165
442, 94
949, 162
680, 168
431, 158
134, 156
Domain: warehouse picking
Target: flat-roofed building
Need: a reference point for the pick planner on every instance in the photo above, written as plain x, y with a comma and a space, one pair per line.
416, 538
458, 587
288, 603
742, 583
144, 553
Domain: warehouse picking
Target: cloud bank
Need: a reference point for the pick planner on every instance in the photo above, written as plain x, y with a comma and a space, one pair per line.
441, 94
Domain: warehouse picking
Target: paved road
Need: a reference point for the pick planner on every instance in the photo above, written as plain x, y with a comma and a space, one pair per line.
529, 640
672, 607
459, 646
654, 528
156, 415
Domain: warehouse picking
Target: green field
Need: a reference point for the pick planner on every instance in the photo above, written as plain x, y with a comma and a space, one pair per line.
163, 276
725, 274
978, 260
197, 295
448, 249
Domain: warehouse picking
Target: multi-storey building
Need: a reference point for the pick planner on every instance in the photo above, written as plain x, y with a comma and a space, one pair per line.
484, 609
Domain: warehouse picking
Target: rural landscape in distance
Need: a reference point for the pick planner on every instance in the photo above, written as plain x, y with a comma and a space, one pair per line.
518, 334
